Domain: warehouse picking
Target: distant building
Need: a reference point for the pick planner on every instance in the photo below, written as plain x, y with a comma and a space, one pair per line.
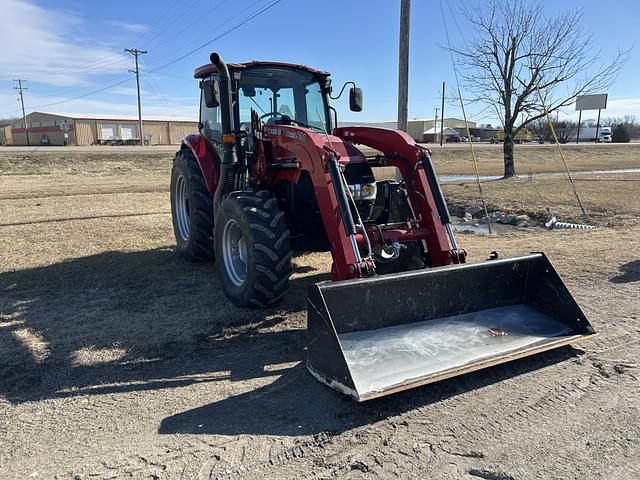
448, 135
417, 127
75, 129
5, 134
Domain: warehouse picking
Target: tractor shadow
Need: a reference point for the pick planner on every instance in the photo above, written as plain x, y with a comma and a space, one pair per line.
296, 404
629, 272
122, 322
125, 321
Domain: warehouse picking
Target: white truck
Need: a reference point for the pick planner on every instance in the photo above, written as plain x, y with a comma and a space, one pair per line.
588, 134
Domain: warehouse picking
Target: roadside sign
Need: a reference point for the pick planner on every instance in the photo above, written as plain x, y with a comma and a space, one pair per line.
592, 102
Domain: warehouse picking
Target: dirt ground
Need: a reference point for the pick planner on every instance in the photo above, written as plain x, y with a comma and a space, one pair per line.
119, 360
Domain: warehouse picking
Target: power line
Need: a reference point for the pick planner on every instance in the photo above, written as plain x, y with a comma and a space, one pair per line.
158, 22
466, 124
173, 22
20, 88
218, 27
9, 114
235, 27
102, 63
189, 25
82, 96
135, 52
442, 113
81, 68
191, 52
148, 78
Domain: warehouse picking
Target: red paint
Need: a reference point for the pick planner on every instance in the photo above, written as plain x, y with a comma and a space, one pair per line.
49, 129
401, 151
311, 150
395, 235
207, 159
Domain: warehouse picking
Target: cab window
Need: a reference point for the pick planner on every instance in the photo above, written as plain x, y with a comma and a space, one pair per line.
210, 119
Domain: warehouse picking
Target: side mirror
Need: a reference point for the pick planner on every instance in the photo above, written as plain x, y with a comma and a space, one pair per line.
355, 99
211, 91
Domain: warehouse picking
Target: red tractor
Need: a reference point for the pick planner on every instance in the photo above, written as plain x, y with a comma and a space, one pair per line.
270, 170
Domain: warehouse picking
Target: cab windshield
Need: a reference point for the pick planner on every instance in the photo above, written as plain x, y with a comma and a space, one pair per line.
283, 96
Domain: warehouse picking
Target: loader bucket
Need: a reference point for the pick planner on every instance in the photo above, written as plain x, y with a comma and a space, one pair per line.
373, 337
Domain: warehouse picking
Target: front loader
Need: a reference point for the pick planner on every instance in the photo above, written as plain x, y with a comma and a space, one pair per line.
270, 171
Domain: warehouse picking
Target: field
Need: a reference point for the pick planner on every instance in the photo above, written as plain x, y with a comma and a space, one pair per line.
119, 360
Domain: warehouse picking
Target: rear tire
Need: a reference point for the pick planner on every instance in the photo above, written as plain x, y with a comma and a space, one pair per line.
191, 209
252, 249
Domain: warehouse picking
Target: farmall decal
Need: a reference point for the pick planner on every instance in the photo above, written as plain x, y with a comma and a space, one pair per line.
300, 136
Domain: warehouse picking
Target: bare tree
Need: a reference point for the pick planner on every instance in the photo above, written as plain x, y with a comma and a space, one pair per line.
564, 129
514, 48
629, 121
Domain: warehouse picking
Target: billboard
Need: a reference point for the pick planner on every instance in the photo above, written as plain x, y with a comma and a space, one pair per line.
592, 102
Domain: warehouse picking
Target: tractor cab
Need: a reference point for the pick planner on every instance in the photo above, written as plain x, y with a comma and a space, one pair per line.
279, 94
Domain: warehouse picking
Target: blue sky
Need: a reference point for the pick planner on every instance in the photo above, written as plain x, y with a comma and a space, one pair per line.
65, 49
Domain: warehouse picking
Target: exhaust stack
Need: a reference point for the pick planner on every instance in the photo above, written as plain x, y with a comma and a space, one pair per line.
229, 159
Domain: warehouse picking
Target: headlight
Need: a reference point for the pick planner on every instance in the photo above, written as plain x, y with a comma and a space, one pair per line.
363, 191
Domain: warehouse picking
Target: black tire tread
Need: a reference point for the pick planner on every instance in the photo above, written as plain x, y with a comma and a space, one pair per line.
268, 278
199, 248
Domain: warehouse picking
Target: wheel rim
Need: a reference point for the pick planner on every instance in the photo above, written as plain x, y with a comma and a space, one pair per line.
234, 252
182, 208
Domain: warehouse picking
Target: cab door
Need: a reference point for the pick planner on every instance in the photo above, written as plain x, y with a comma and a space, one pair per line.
210, 124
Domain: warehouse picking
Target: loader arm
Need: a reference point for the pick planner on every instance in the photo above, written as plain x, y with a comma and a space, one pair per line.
414, 164
313, 154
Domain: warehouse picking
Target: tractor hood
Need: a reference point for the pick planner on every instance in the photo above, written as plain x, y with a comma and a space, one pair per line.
345, 151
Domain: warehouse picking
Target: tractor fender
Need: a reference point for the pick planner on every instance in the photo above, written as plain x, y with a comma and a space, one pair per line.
207, 157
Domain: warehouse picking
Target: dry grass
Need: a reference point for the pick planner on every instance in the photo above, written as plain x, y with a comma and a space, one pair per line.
94, 161
456, 160
610, 200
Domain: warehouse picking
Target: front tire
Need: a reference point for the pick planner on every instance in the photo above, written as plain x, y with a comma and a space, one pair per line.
191, 209
252, 249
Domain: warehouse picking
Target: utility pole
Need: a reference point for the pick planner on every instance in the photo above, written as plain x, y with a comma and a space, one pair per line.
135, 52
20, 88
403, 65
435, 124
442, 119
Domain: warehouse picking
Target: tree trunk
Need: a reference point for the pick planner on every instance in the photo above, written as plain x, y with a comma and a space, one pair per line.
507, 150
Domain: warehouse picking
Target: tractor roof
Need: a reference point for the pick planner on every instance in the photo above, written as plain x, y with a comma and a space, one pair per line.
209, 68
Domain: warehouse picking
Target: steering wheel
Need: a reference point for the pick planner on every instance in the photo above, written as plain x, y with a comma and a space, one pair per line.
282, 115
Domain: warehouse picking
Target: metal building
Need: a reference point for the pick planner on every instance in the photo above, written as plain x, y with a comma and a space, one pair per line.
74, 129
417, 127
5, 133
